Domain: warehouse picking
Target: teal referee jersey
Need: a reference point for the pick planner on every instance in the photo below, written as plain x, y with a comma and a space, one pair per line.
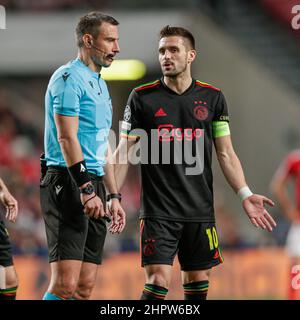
74, 90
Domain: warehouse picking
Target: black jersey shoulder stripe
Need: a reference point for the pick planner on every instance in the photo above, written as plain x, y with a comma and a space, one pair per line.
147, 85
206, 85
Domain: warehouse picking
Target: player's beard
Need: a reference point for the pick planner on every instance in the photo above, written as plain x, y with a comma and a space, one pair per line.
175, 72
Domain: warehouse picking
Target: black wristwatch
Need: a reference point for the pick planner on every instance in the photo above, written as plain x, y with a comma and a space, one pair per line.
89, 189
114, 196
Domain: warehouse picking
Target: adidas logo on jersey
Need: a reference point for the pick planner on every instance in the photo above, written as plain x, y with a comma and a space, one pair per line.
82, 168
217, 255
160, 113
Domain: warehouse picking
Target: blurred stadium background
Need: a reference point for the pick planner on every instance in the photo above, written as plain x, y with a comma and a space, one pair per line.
246, 48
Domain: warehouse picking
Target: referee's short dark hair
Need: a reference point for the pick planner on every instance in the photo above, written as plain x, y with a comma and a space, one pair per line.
169, 31
90, 24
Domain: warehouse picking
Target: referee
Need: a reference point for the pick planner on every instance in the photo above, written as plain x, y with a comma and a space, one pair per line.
177, 215
78, 113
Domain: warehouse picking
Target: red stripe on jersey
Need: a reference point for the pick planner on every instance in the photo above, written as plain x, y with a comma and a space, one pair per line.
206, 85
147, 86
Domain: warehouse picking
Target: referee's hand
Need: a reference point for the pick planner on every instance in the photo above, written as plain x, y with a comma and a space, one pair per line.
92, 205
118, 216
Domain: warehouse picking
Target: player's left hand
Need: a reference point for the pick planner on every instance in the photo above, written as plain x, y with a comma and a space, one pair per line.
118, 216
254, 207
10, 204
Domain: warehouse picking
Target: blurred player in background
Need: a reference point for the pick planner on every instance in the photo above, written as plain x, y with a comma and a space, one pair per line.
73, 197
288, 171
177, 215
8, 276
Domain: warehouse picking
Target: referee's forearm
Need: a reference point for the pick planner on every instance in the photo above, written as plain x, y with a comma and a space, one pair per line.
121, 159
109, 178
121, 171
71, 150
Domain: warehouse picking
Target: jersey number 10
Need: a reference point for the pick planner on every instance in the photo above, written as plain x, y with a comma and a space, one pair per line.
212, 238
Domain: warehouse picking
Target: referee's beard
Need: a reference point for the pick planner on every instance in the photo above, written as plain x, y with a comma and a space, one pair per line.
99, 63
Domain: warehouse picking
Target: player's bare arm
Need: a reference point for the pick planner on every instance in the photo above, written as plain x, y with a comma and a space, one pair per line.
254, 205
121, 159
114, 205
67, 128
9, 202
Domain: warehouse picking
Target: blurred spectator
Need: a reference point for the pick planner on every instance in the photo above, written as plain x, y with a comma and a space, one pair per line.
289, 170
19, 166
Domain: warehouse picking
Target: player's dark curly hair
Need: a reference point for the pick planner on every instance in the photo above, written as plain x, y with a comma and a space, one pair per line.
90, 24
169, 31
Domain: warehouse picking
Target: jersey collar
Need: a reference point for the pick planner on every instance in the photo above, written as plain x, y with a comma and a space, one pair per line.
186, 92
82, 65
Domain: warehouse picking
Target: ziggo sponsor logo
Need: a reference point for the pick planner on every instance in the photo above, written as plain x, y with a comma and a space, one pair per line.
167, 132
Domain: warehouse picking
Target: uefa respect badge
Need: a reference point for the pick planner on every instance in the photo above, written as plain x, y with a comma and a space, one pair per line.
2, 17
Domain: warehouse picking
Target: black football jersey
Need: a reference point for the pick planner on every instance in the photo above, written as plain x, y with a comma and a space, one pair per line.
176, 137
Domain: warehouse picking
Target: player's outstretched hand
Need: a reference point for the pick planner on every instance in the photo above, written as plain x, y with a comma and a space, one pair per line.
118, 216
254, 207
10, 204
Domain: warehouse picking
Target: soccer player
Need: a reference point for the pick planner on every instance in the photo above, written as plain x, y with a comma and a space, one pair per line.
73, 200
289, 170
8, 276
177, 214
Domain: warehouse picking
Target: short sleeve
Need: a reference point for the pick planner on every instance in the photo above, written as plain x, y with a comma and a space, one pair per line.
132, 116
221, 109
66, 95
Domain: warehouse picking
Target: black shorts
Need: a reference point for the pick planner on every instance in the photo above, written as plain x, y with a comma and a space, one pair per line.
71, 235
195, 242
5, 247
